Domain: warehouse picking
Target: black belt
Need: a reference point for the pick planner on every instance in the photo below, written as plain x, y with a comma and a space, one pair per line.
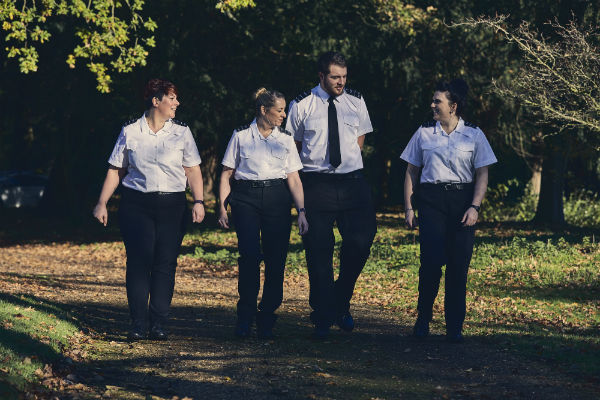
450, 186
329, 176
140, 193
259, 184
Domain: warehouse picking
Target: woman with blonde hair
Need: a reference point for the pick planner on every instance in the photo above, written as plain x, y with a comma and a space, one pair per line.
264, 163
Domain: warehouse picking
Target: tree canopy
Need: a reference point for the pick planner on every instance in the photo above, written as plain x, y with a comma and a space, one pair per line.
113, 35
219, 52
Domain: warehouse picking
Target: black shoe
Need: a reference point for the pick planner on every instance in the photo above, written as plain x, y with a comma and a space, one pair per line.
136, 333
454, 338
421, 329
321, 332
157, 333
345, 322
264, 325
264, 333
242, 328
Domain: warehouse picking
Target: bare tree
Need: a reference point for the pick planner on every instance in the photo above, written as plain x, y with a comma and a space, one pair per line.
558, 83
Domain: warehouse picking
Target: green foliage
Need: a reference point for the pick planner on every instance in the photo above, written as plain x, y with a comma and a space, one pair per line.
509, 201
582, 208
220, 256
228, 7
514, 201
111, 39
533, 291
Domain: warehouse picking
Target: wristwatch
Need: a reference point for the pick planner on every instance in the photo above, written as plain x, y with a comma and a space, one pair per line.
475, 207
300, 210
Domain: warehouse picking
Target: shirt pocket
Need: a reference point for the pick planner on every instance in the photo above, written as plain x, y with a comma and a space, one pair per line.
131, 144
174, 144
431, 150
463, 152
464, 145
431, 146
279, 151
313, 131
246, 150
351, 123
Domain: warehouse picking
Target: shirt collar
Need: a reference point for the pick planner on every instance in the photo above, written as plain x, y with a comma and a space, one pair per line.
460, 127
146, 128
258, 136
324, 96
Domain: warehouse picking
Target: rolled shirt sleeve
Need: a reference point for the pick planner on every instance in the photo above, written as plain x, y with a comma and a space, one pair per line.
293, 162
413, 153
118, 157
231, 158
294, 124
191, 157
484, 155
365, 125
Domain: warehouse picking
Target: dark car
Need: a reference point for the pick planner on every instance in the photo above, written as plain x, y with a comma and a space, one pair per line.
21, 188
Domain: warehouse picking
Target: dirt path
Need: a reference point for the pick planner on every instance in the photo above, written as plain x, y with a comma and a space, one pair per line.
202, 360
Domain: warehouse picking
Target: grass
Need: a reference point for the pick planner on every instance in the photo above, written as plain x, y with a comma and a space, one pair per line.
33, 333
535, 291
532, 293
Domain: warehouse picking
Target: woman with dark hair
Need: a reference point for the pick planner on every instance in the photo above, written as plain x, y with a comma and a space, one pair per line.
452, 157
264, 163
154, 157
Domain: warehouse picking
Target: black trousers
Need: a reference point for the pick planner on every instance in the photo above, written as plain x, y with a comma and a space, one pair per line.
152, 226
344, 200
444, 241
262, 220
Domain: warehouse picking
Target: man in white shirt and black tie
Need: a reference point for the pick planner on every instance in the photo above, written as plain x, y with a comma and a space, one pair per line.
329, 124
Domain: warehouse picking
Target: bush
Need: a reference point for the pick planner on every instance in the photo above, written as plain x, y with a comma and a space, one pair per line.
513, 201
582, 208
510, 201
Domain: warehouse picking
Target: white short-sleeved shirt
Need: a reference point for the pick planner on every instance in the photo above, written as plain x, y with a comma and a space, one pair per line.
155, 161
448, 158
255, 157
308, 123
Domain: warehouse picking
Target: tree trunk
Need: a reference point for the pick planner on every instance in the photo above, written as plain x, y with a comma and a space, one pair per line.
536, 178
550, 203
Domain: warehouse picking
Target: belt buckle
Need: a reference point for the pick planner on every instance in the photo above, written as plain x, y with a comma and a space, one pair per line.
447, 186
257, 184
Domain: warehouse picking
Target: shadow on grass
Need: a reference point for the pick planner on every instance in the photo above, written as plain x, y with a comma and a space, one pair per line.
569, 292
377, 360
202, 359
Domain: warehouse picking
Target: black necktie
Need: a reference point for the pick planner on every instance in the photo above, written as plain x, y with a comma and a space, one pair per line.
335, 158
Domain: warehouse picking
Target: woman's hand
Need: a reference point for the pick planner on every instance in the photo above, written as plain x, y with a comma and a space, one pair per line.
470, 217
223, 219
302, 223
100, 213
411, 219
198, 213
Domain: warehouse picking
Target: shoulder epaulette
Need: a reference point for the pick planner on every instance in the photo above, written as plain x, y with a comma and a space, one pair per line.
429, 124
242, 128
353, 92
470, 125
178, 122
302, 96
131, 121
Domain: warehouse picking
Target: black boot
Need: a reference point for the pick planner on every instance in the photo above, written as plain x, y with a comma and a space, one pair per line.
264, 325
421, 328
